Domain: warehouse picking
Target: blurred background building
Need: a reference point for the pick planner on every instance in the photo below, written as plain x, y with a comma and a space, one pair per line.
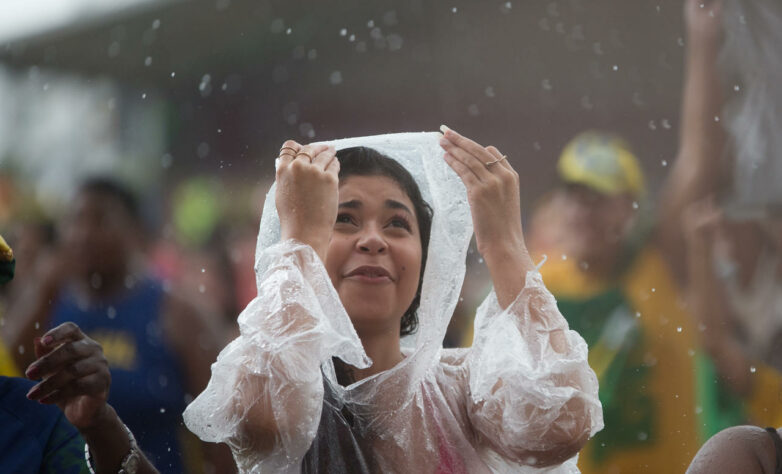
159, 89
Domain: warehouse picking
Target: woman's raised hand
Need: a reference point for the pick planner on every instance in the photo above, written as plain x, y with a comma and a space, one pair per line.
493, 193
75, 375
492, 190
307, 193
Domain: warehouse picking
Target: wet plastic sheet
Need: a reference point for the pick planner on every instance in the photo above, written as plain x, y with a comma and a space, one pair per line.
506, 403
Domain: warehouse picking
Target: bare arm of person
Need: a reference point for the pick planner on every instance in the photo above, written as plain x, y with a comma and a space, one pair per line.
707, 299
699, 168
28, 316
503, 390
75, 376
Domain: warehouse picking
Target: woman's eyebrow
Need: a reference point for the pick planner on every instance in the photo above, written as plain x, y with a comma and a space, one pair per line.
354, 204
398, 205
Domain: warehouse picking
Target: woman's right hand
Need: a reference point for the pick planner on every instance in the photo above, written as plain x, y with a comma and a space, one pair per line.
307, 194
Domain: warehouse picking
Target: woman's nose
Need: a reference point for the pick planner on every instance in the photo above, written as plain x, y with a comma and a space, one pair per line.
371, 241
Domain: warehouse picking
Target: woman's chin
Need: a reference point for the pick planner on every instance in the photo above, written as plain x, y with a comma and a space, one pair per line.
372, 317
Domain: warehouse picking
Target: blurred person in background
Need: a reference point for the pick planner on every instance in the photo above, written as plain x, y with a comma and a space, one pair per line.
159, 347
36, 436
7, 270
611, 283
731, 263
194, 254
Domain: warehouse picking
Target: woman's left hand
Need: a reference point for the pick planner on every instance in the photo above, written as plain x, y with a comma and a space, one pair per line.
492, 190
493, 193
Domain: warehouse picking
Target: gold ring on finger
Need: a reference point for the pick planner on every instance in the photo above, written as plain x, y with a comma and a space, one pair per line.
504, 157
288, 148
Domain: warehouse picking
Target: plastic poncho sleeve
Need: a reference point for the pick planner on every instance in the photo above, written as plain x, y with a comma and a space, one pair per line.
265, 395
533, 397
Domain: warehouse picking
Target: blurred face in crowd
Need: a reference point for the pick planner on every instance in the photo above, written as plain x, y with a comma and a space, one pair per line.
374, 257
98, 235
592, 225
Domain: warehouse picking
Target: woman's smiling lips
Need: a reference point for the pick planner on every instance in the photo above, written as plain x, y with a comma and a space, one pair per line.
370, 274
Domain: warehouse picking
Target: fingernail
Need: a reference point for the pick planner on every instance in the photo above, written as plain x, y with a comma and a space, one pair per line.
34, 392
47, 340
444, 128
32, 372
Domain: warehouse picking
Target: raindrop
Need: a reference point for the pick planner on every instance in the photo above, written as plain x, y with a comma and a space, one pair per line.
21, 349
586, 103
642, 436
635, 204
203, 270
664, 163
148, 61
752, 369
343, 32
489, 91
652, 125
307, 130
473, 110
162, 410
389, 18
201, 288
156, 24
371, 24
654, 290
546, 84
680, 41
736, 88
453, 10
114, 49
37, 325
615, 67
335, 78
143, 95
716, 118
352, 38
666, 124
205, 87
564, 257
111, 312
637, 314
203, 150
679, 329
288, 31
173, 74
394, 42
277, 25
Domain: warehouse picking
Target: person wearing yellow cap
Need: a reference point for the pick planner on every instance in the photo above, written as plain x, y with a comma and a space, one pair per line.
614, 288
7, 266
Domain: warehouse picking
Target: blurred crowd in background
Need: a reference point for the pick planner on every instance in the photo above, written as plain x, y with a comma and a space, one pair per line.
132, 177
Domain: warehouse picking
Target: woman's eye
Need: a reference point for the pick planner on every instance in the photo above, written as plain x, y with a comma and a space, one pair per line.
400, 222
344, 219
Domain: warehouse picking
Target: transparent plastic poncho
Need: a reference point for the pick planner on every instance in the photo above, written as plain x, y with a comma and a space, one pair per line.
500, 406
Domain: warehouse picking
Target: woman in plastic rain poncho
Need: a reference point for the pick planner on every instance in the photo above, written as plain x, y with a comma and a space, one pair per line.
318, 380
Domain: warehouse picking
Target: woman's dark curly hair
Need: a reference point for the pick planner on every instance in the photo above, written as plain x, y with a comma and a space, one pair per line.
362, 161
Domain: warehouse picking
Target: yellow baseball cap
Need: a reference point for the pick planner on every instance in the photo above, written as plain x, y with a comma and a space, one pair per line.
603, 162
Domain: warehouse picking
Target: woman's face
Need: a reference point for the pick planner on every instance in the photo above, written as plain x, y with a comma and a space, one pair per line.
374, 257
